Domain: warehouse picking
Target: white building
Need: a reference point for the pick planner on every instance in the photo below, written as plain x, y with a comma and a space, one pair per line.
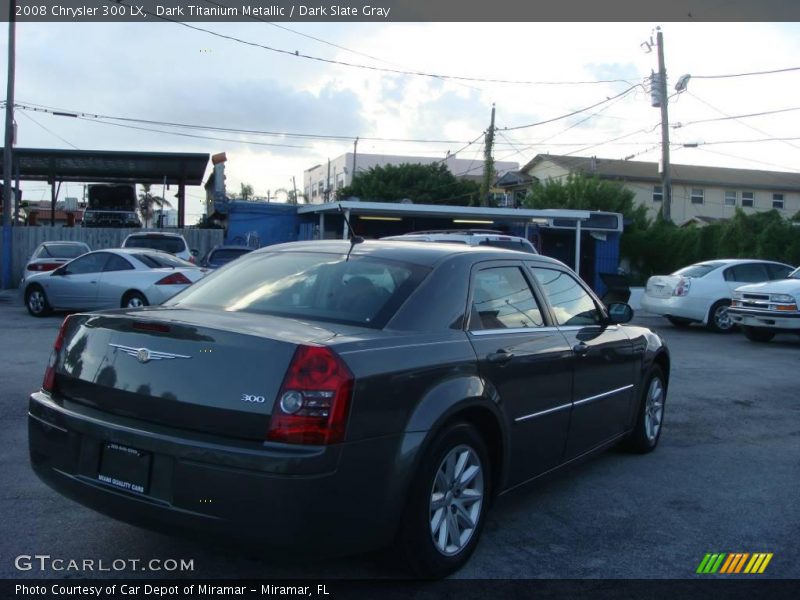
698, 193
319, 184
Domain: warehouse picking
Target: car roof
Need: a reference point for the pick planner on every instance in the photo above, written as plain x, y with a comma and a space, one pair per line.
64, 243
421, 253
736, 261
231, 247
444, 235
154, 234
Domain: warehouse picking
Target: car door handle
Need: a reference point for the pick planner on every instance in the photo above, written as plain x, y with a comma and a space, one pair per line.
500, 357
580, 349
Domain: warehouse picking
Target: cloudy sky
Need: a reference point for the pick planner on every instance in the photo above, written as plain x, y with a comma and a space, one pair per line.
165, 72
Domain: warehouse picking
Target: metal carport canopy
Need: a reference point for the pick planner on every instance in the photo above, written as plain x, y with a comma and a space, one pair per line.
87, 166
523, 215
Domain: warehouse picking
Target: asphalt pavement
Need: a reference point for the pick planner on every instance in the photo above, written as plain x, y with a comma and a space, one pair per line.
724, 479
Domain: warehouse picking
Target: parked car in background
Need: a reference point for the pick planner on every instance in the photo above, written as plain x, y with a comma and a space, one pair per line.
701, 293
110, 278
471, 237
222, 255
765, 309
174, 243
399, 386
51, 255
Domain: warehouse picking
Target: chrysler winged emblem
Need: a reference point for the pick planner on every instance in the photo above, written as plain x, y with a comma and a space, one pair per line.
144, 355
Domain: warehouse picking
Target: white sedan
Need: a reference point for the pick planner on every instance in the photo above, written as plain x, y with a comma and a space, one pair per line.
112, 278
701, 293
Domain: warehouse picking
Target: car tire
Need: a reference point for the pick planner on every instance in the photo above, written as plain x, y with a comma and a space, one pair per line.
134, 300
650, 416
719, 321
443, 501
679, 322
36, 301
758, 334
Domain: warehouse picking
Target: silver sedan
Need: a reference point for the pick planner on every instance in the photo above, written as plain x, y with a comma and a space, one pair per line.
112, 278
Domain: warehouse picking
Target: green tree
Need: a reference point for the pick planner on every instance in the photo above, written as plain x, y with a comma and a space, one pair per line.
147, 202
245, 191
424, 184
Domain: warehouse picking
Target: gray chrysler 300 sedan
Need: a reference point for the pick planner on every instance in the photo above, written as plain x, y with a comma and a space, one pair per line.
320, 394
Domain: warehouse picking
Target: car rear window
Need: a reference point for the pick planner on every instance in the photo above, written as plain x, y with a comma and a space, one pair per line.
698, 270
518, 245
156, 260
226, 255
173, 245
63, 250
364, 291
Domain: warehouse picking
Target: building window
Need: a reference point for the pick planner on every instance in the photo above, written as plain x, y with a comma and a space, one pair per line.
777, 201
339, 181
658, 193
698, 196
748, 199
730, 198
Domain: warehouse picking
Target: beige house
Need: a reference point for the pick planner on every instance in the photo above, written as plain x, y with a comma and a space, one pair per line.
697, 192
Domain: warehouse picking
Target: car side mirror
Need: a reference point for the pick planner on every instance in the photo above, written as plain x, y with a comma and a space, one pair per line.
194, 252
619, 312
60, 271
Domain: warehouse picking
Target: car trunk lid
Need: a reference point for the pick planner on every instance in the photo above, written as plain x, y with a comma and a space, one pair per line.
206, 371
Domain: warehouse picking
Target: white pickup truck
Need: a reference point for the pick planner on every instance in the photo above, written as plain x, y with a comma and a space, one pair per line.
765, 309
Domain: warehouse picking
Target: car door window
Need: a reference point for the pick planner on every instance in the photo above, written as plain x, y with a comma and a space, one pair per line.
117, 263
91, 263
747, 273
502, 299
572, 305
777, 271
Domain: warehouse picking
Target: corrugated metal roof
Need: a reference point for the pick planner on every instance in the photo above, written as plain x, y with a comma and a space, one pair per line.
631, 170
42, 164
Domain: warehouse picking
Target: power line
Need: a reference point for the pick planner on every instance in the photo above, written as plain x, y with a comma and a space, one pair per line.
771, 72
761, 162
574, 112
298, 54
50, 131
733, 117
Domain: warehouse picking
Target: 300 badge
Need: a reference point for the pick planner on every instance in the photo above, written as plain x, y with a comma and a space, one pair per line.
251, 398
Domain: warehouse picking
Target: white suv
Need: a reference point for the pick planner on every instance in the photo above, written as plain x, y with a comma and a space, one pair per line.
174, 243
471, 237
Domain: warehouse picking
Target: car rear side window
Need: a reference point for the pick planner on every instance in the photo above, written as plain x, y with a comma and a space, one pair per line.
159, 260
747, 273
502, 299
572, 305
777, 271
170, 244
364, 291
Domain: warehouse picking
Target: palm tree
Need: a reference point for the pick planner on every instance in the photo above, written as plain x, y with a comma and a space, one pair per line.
246, 191
147, 201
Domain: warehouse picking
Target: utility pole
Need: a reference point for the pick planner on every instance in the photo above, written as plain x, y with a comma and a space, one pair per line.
488, 164
666, 180
294, 187
355, 154
7, 153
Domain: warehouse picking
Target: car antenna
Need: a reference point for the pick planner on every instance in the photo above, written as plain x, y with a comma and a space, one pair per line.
354, 239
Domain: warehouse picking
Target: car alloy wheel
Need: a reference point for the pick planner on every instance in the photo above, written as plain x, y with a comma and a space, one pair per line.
36, 302
654, 408
719, 320
456, 500
134, 300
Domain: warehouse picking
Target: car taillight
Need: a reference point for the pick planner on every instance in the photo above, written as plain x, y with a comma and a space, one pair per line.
49, 382
43, 266
174, 279
314, 400
682, 289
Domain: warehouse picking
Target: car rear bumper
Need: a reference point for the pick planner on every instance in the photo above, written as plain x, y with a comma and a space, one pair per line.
765, 319
684, 307
336, 499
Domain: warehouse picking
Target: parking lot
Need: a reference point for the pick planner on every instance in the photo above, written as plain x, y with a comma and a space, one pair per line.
724, 479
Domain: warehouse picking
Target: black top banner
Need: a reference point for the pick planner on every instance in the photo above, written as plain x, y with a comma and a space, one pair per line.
400, 10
